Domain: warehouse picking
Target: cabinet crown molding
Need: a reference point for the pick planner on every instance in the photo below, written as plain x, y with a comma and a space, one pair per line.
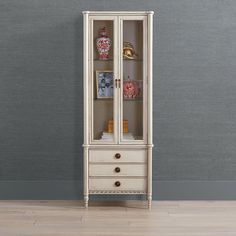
118, 12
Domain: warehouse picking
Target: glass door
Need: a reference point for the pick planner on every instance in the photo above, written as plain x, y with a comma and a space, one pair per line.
102, 64
133, 80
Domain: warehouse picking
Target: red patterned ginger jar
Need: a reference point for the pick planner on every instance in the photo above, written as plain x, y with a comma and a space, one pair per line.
103, 43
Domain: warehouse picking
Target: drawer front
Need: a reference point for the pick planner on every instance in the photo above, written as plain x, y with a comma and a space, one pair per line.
117, 170
117, 156
117, 184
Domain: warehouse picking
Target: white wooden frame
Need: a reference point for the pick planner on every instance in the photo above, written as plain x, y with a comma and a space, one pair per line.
117, 144
93, 18
144, 20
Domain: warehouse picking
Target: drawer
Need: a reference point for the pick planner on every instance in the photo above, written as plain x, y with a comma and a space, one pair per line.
117, 170
117, 156
118, 184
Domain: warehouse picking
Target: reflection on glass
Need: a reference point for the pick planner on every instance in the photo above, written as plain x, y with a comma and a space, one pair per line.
133, 80
103, 80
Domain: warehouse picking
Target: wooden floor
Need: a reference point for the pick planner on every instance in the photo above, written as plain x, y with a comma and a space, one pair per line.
167, 218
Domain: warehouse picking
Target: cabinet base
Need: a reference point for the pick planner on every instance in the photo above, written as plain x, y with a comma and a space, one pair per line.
149, 201
116, 192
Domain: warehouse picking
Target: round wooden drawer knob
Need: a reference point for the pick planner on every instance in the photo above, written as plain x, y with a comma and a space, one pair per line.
117, 183
117, 169
117, 155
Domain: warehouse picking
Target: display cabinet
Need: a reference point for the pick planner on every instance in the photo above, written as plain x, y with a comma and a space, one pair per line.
118, 103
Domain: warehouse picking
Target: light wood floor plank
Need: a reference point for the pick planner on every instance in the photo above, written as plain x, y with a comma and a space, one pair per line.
69, 218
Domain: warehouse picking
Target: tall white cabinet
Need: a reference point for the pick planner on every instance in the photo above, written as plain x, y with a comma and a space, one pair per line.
118, 103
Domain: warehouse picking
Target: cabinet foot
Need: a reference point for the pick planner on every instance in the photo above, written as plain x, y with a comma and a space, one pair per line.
86, 199
149, 202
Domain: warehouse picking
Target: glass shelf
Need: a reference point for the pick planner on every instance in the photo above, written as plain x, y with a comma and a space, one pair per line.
103, 99
137, 60
132, 59
132, 100
103, 60
111, 99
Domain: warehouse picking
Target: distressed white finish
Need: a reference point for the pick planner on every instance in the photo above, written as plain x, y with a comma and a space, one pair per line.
135, 162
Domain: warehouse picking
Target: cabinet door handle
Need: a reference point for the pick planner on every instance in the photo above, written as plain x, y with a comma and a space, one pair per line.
117, 155
117, 183
117, 83
117, 169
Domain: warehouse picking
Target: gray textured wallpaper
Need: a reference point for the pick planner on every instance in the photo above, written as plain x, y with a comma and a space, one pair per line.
41, 102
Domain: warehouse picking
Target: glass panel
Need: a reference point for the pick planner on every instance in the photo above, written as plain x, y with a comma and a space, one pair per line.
103, 80
132, 80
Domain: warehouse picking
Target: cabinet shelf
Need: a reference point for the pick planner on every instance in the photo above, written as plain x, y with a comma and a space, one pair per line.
132, 100
136, 60
103, 60
111, 99
103, 99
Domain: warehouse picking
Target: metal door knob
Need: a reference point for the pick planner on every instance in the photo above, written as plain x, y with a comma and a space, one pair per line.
117, 183
117, 155
117, 169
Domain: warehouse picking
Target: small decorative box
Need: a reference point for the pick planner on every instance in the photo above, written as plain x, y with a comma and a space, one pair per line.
111, 126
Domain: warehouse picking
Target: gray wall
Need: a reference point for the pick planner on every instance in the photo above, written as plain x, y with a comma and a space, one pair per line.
194, 97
